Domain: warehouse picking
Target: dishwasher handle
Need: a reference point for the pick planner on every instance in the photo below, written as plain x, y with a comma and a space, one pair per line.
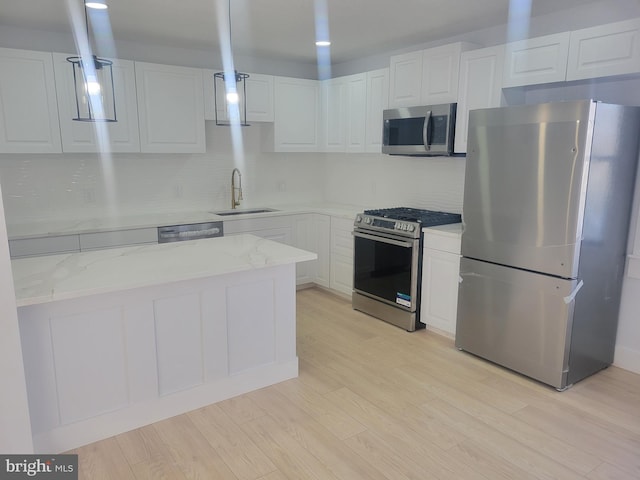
178, 233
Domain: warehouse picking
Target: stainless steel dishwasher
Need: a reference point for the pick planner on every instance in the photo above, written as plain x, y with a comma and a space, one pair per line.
192, 231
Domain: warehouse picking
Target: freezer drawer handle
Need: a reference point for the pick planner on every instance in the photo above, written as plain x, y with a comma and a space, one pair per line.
569, 298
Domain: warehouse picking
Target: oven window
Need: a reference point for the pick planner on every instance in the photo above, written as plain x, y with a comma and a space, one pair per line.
383, 270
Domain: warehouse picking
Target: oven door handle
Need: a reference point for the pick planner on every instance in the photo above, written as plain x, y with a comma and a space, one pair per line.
377, 238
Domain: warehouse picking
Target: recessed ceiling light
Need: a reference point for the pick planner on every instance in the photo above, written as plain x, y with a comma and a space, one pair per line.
99, 5
323, 43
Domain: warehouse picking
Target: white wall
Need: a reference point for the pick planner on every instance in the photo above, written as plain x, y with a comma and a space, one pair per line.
15, 425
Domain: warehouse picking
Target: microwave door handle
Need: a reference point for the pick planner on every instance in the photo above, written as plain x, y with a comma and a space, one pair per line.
426, 138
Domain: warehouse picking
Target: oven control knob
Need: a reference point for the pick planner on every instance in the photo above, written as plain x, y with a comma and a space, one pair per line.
367, 220
412, 228
358, 218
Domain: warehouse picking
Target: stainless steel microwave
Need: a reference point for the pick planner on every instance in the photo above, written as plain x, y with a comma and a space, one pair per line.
419, 131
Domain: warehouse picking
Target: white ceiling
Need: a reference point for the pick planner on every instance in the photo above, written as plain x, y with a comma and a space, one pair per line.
283, 29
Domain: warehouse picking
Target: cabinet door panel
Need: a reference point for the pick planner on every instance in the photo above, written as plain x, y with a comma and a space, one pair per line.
98, 383
179, 349
356, 104
377, 102
171, 108
440, 68
480, 87
259, 98
28, 109
605, 50
536, 60
120, 136
322, 239
334, 109
440, 289
405, 80
297, 115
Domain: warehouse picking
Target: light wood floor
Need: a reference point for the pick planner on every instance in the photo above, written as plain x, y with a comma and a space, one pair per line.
375, 402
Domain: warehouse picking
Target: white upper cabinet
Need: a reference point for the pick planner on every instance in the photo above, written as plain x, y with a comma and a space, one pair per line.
28, 110
334, 114
120, 136
344, 110
480, 87
170, 108
612, 49
440, 71
536, 60
356, 114
296, 115
377, 102
259, 99
427, 77
405, 80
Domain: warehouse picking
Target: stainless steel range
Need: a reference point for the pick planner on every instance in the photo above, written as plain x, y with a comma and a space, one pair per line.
387, 271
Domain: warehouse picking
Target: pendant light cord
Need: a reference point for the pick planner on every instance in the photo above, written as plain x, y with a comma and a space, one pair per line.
86, 24
230, 36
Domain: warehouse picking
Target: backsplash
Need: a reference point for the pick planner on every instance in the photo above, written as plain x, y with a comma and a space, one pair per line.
380, 181
82, 186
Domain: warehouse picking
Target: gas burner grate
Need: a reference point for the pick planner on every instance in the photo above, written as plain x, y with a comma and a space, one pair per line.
428, 218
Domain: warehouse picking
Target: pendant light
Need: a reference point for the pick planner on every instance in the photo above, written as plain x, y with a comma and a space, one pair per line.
233, 84
93, 80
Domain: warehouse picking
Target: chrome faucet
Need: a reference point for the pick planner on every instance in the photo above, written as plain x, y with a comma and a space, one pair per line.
236, 201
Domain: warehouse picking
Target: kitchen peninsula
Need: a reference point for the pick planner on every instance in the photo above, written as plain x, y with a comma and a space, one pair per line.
119, 338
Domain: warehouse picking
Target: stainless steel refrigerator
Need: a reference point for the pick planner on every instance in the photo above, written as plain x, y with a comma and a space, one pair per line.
547, 202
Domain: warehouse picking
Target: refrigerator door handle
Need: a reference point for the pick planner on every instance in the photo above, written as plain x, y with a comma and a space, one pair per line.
569, 298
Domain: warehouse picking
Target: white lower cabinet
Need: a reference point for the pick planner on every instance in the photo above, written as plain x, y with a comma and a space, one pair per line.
321, 232
440, 274
34, 247
100, 365
306, 231
341, 255
311, 232
118, 238
277, 229
57, 244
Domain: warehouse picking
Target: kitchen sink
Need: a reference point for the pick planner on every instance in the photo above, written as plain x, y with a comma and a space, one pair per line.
245, 211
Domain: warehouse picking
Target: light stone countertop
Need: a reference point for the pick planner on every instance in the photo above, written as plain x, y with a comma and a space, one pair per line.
68, 276
55, 227
453, 229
